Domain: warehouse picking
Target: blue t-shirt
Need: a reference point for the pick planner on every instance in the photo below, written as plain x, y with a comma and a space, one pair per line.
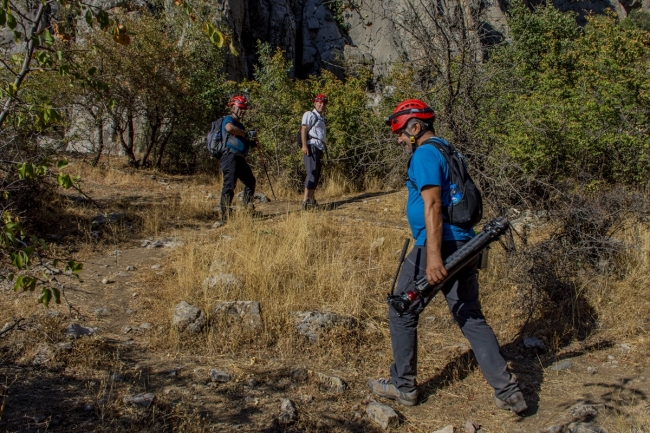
234, 142
428, 167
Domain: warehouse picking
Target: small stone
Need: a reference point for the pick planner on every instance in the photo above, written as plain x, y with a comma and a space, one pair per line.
126, 329
626, 347
558, 428
532, 342
145, 325
562, 365
365, 202
156, 266
130, 268
331, 383
448, 429
107, 280
134, 294
103, 311
219, 376
75, 331
115, 253
377, 243
306, 398
187, 316
130, 311
610, 357
592, 370
287, 411
63, 347
144, 399
472, 427
251, 382
585, 427
218, 224
300, 374
44, 354
383, 415
582, 410
209, 196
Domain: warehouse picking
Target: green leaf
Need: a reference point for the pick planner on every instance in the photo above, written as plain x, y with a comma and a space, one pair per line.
102, 18
5, 4
11, 21
64, 180
233, 50
10, 276
46, 296
89, 18
61, 164
47, 37
57, 295
17, 36
92, 71
217, 38
59, 55
74, 267
64, 70
3, 17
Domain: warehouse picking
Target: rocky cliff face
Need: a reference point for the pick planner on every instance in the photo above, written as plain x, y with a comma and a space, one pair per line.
376, 31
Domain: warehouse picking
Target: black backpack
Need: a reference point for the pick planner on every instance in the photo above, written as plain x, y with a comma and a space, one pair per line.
299, 136
215, 140
469, 209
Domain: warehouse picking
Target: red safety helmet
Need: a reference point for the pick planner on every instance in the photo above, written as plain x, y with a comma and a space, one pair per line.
406, 110
238, 101
320, 98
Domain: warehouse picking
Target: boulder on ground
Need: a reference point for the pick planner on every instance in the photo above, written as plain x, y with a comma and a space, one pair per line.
144, 399
331, 383
312, 324
382, 414
287, 412
228, 281
245, 312
187, 316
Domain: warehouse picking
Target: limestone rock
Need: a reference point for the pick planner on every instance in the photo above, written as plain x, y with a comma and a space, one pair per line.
44, 354
144, 399
383, 415
287, 412
188, 317
448, 429
585, 427
564, 365
532, 342
75, 331
219, 376
228, 281
312, 324
331, 383
246, 312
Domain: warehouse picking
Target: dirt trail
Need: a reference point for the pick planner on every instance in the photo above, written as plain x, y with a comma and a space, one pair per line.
114, 298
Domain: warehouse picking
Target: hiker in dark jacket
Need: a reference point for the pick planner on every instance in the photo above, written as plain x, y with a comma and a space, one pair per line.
312, 134
233, 161
429, 192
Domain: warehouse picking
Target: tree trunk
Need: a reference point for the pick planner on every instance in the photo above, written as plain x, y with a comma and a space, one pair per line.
163, 145
128, 145
152, 141
100, 141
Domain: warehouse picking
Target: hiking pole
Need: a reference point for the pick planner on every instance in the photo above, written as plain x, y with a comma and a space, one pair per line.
265, 170
399, 265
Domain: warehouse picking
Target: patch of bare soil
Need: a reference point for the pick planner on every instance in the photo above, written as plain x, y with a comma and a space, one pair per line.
118, 379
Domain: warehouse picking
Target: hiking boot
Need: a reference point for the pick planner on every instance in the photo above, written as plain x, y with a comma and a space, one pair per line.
309, 204
515, 403
384, 388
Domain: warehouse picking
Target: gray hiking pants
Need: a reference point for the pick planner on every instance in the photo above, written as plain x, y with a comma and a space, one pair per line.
313, 166
462, 297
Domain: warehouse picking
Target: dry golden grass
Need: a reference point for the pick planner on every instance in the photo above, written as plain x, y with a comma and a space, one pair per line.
324, 260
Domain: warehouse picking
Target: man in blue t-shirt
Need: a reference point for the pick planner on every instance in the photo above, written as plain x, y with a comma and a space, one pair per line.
233, 160
435, 239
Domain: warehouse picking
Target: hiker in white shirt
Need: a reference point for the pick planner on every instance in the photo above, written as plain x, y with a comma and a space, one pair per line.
312, 133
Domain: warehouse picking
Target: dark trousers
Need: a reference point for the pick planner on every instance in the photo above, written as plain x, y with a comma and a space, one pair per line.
313, 165
461, 294
235, 167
